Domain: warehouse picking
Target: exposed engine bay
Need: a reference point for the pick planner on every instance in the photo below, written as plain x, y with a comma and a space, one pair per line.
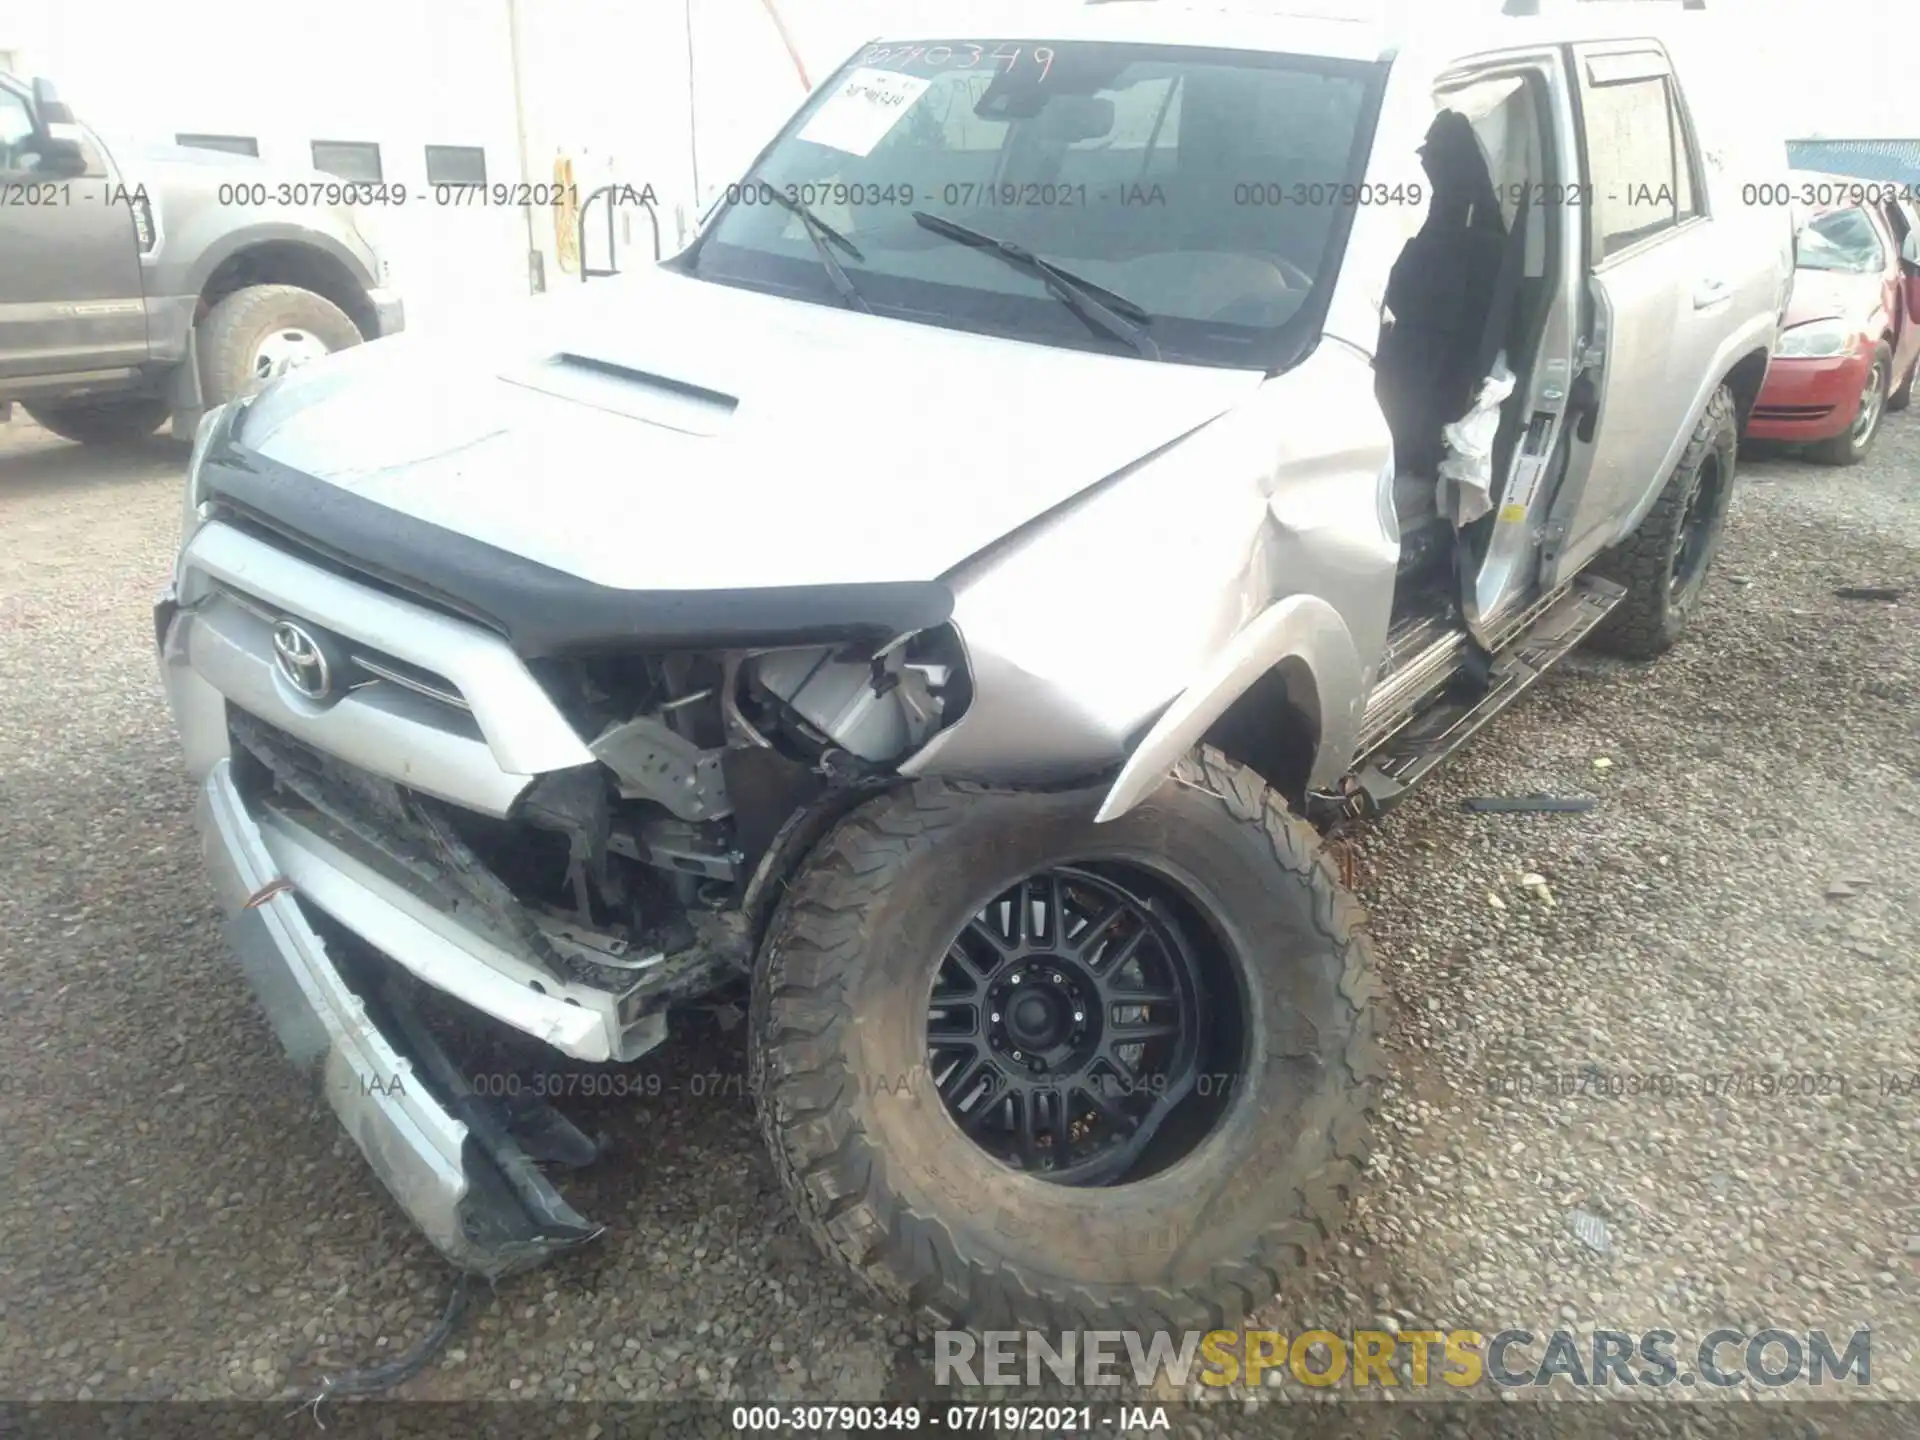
646, 875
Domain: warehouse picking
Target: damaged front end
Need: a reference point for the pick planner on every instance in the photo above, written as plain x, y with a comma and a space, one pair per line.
384, 846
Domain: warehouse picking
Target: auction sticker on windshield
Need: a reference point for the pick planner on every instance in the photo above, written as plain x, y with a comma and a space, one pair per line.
869, 103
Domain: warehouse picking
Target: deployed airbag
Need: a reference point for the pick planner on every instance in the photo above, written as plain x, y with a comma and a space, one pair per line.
1465, 486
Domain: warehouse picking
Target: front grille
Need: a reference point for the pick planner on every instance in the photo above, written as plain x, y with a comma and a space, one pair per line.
410, 838
366, 665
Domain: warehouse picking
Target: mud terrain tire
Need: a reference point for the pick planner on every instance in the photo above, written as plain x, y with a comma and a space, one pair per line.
1691, 511
881, 1172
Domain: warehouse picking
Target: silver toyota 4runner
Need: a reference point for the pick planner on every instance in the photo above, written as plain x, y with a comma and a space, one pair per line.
1078, 463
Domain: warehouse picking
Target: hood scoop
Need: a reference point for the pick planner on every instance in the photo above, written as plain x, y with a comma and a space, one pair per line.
637, 394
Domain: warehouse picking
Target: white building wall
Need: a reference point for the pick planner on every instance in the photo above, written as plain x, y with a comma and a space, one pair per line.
604, 86
607, 85
748, 84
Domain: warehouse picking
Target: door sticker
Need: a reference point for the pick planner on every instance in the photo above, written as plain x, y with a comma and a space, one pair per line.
1526, 484
858, 115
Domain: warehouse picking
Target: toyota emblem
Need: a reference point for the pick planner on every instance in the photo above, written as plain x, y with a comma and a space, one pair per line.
302, 661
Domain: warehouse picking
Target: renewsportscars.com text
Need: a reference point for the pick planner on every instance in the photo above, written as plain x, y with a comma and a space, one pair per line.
1415, 1359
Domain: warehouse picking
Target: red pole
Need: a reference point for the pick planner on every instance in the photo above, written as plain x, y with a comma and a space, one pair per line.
793, 53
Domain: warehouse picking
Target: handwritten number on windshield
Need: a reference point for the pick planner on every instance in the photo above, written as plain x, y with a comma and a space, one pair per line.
965, 53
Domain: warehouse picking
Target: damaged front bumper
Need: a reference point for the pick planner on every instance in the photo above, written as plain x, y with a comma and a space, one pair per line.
463, 1168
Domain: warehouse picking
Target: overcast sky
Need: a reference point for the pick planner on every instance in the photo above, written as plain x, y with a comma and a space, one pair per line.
1842, 68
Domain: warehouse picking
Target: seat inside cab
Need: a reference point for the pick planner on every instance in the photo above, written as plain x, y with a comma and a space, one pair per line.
1447, 325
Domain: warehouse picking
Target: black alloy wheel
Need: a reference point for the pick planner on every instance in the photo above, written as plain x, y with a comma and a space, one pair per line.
1069, 1021
1017, 1066
1699, 525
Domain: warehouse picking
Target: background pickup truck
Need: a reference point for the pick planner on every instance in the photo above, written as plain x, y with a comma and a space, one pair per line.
162, 281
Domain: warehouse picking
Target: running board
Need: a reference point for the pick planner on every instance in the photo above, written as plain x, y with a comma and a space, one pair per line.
1416, 749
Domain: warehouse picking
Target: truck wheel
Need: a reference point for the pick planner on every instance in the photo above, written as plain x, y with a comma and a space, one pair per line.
263, 331
1019, 1069
1850, 446
1664, 563
102, 422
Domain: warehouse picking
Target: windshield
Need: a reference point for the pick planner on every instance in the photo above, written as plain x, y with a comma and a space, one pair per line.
1205, 193
1843, 240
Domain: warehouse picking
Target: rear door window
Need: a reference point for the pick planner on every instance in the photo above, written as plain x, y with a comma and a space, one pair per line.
1640, 155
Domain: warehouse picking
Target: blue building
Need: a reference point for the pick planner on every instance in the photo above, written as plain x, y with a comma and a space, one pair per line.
1888, 161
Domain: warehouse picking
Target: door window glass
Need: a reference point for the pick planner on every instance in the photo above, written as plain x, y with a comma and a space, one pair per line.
1684, 204
1638, 154
16, 132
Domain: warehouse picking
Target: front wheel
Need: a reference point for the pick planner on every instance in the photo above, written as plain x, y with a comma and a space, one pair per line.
259, 333
1851, 445
1664, 563
1019, 1069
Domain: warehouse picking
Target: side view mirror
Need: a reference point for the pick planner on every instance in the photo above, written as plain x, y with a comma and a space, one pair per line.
60, 153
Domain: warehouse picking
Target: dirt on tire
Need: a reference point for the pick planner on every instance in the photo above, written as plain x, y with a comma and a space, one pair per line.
232, 330
1652, 616
885, 1181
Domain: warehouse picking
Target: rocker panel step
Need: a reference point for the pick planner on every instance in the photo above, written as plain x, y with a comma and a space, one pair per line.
1416, 749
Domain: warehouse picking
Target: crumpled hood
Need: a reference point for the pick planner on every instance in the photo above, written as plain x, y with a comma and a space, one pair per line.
662, 433
1818, 294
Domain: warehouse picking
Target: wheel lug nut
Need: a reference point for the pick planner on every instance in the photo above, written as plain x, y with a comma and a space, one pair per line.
1016, 1054
996, 1017
1056, 978
1016, 977
1078, 1016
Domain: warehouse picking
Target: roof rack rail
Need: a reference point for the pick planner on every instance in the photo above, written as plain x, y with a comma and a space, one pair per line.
1363, 11
1532, 7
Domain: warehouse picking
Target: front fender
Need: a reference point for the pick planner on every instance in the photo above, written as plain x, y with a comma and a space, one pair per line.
1302, 628
197, 265
1757, 336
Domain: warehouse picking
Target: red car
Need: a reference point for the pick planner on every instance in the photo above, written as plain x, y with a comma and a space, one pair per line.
1851, 344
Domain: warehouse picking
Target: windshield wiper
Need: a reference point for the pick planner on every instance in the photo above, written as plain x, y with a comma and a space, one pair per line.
824, 238
1103, 310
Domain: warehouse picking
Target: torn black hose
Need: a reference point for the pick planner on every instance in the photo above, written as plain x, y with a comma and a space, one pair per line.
372, 1379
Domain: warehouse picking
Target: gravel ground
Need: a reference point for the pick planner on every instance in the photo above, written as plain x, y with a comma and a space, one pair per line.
179, 1216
